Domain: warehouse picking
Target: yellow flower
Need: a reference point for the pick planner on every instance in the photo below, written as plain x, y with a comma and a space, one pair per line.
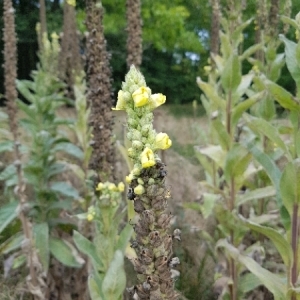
71, 2
139, 190
147, 158
99, 186
157, 100
129, 178
141, 96
162, 141
121, 103
54, 36
112, 187
121, 187
90, 217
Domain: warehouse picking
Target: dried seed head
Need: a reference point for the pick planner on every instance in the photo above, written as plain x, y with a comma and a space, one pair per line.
164, 221
138, 205
155, 239
174, 262
146, 256
176, 234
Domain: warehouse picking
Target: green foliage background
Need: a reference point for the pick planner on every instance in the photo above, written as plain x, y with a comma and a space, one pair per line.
175, 41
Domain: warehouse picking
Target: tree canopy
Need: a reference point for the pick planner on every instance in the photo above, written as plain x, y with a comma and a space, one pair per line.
175, 40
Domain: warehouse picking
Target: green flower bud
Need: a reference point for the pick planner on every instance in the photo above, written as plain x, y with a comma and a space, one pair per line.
136, 170
136, 135
140, 181
137, 145
127, 96
151, 181
139, 190
133, 88
131, 152
145, 129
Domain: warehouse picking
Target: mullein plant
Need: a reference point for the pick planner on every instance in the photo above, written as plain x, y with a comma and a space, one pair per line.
153, 242
70, 61
106, 251
134, 33
35, 279
99, 94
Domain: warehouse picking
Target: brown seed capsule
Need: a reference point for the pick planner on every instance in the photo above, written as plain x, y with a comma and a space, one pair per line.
138, 266
159, 203
146, 256
155, 239
148, 219
168, 244
161, 263
164, 221
142, 293
138, 205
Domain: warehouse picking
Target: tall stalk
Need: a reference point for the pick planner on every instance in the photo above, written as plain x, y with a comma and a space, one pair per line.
134, 33
100, 93
35, 281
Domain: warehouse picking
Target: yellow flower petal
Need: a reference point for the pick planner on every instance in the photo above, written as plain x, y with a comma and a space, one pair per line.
121, 103
141, 96
121, 187
147, 158
99, 186
157, 100
90, 217
162, 141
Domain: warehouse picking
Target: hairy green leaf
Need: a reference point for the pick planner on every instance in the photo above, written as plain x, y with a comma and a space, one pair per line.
41, 240
64, 252
8, 213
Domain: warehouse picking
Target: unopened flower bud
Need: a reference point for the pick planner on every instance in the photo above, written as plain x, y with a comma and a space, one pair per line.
137, 145
141, 96
162, 141
139, 190
140, 181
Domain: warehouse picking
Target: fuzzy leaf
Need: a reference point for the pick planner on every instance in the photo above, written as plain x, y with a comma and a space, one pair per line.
231, 75
237, 161
41, 239
8, 172
13, 243
8, 213
114, 281
23, 87
258, 193
272, 281
211, 94
265, 128
290, 185
280, 243
216, 153
7, 146
291, 59
241, 107
94, 289
283, 97
124, 238
65, 189
269, 166
70, 149
248, 283
88, 248
65, 253
221, 132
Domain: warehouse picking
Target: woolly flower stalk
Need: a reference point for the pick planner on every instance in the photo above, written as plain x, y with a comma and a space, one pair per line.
153, 245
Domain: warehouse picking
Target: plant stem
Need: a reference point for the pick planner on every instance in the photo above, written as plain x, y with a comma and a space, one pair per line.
228, 113
294, 269
233, 270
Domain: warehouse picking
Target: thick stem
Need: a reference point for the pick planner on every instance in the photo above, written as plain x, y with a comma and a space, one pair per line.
295, 229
